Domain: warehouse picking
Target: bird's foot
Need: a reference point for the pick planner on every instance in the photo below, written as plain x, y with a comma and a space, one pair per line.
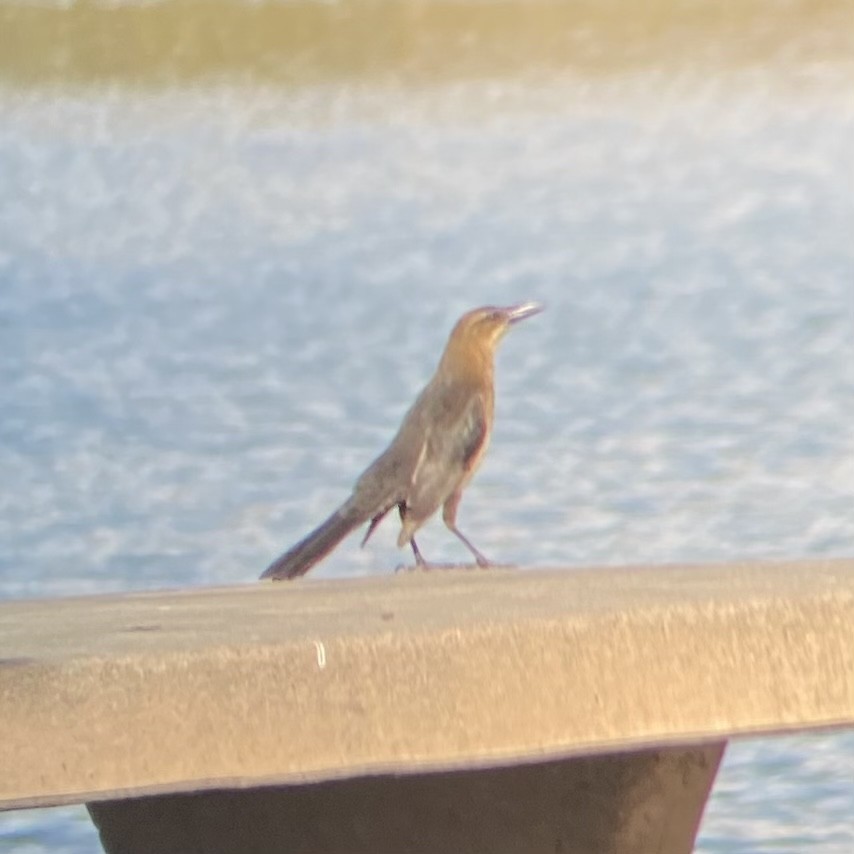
405, 567
428, 567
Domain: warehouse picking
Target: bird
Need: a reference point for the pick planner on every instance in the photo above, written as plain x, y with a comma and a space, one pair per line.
439, 445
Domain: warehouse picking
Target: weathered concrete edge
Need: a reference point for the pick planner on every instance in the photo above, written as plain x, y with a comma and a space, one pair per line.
516, 667
354, 773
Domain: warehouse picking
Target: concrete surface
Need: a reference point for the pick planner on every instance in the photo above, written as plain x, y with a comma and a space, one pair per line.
117, 696
649, 801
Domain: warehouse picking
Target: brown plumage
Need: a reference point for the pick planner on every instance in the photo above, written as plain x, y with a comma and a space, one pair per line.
436, 451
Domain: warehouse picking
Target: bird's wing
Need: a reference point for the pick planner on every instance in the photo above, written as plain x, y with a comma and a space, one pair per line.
474, 433
453, 446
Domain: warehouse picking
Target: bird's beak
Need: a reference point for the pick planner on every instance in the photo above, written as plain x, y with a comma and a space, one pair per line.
519, 312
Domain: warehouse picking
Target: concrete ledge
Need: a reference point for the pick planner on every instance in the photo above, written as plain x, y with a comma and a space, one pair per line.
629, 804
118, 696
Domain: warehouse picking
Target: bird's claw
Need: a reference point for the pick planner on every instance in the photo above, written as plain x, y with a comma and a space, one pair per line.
428, 567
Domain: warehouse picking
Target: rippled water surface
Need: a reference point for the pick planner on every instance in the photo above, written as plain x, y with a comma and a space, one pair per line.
219, 295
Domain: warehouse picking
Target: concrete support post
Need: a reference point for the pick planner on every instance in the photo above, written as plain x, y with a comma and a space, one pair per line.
631, 803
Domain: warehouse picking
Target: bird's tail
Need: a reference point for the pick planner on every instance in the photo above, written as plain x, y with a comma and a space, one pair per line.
312, 548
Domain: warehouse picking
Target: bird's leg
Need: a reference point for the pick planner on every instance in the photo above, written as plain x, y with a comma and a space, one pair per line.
419, 558
480, 559
449, 517
420, 562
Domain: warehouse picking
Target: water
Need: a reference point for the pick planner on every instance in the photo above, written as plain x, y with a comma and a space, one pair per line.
219, 293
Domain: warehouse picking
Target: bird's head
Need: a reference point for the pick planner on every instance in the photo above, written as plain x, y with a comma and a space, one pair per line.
486, 326
478, 332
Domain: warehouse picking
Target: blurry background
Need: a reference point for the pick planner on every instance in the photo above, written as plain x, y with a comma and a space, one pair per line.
234, 237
